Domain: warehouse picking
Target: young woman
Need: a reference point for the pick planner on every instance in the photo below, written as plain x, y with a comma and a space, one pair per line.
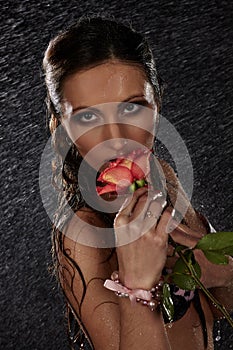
104, 97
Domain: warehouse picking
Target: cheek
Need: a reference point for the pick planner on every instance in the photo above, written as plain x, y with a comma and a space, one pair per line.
143, 130
84, 144
88, 141
141, 136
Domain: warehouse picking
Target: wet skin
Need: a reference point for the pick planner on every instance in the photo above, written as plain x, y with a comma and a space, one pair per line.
113, 111
104, 101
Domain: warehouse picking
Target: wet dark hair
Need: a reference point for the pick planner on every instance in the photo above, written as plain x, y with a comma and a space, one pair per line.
94, 39
89, 42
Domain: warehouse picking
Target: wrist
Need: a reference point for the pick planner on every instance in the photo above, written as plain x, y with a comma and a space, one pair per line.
148, 297
138, 282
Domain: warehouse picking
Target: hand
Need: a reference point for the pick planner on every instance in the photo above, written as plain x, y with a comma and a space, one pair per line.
182, 235
142, 243
212, 275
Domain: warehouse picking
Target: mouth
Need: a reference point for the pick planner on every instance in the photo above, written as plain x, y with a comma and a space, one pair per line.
111, 196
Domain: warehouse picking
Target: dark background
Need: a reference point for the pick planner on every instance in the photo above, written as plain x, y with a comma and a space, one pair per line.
192, 41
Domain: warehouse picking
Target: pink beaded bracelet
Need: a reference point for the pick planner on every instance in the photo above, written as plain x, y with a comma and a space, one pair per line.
151, 298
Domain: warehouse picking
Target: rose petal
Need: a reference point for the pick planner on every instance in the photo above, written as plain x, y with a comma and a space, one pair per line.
115, 175
106, 189
122, 172
137, 172
127, 163
141, 166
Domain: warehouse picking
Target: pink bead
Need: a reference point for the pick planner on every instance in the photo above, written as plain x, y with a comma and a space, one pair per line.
115, 276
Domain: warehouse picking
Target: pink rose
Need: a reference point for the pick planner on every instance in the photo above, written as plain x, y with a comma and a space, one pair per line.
125, 174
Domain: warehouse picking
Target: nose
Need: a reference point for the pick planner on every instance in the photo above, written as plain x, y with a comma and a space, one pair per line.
115, 133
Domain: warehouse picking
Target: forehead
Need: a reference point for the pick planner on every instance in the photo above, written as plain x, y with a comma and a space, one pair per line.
108, 82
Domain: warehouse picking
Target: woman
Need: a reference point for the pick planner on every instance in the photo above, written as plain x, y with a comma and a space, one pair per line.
99, 75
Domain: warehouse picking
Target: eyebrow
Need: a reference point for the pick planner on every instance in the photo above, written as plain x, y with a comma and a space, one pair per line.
126, 100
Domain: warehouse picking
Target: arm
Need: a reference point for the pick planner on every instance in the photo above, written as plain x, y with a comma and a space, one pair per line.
112, 322
217, 278
141, 328
224, 291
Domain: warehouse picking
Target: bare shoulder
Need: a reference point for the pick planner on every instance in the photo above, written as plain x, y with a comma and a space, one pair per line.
88, 216
87, 246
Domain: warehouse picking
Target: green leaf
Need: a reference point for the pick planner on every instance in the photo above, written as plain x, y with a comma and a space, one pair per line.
228, 250
184, 281
167, 303
197, 269
182, 276
216, 241
215, 257
189, 256
132, 187
140, 183
180, 267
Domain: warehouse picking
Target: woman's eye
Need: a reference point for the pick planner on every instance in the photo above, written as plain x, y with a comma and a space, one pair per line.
132, 108
85, 117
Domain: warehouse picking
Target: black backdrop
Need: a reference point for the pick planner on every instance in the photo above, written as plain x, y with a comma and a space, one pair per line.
192, 41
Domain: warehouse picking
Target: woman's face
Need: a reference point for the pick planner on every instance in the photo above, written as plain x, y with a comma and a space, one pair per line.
110, 110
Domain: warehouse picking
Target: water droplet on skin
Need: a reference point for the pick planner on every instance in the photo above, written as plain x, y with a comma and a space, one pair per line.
218, 337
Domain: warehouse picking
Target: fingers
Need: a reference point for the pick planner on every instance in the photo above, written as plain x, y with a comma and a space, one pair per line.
154, 210
125, 222
183, 235
160, 232
163, 227
151, 210
138, 204
150, 216
145, 207
129, 204
184, 229
138, 215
